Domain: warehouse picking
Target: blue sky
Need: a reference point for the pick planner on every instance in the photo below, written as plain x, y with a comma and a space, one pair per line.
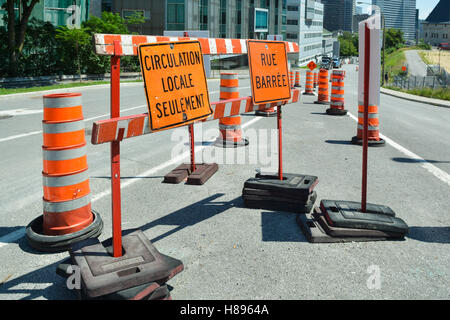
425, 7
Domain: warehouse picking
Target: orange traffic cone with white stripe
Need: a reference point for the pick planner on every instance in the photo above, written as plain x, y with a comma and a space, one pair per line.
316, 78
297, 79
309, 89
323, 93
373, 134
67, 215
337, 94
230, 127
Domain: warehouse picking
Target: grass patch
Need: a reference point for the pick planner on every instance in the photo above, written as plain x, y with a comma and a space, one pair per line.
394, 62
5, 91
441, 93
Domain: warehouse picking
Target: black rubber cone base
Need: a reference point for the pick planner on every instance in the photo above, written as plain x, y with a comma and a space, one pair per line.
319, 228
230, 144
262, 113
140, 264
202, 173
336, 112
39, 241
371, 143
322, 102
308, 93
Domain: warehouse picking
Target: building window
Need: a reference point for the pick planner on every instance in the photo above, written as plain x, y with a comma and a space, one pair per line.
127, 13
292, 36
175, 14
292, 8
292, 22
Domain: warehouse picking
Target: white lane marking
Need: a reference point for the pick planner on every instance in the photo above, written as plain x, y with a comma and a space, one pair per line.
19, 112
435, 171
15, 235
17, 136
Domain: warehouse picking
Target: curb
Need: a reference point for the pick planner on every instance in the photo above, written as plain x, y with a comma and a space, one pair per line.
411, 97
64, 90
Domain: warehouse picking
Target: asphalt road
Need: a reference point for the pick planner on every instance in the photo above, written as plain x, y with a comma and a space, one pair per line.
229, 251
415, 63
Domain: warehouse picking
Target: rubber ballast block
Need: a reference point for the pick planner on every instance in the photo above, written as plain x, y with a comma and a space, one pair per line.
141, 263
282, 204
178, 174
293, 185
202, 173
343, 216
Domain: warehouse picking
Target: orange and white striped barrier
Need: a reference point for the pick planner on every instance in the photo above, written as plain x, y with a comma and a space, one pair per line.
120, 128
337, 94
309, 89
373, 133
104, 44
67, 207
230, 127
323, 93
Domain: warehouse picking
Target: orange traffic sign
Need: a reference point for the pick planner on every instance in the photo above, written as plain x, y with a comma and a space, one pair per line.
175, 83
269, 74
312, 65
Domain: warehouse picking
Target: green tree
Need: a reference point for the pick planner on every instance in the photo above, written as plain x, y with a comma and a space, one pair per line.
394, 39
74, 38
348, 44
17, 29
136, 19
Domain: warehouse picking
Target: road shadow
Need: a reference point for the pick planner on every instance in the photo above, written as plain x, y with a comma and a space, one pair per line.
8, 230
200, 143
320, 113
40, 283
347, 142
430, 234
410, 160
280, 226
192, 214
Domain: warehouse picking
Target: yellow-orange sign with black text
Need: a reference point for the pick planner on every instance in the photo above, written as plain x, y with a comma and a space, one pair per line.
175, 83
269, 73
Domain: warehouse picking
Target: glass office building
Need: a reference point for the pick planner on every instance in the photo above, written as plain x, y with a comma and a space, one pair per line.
305, 26
399, 14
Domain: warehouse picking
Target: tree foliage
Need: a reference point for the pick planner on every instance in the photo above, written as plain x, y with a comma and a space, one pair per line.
48, 50
348, 44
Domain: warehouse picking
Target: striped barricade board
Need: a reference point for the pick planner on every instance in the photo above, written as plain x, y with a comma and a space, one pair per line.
104, 44
117, 129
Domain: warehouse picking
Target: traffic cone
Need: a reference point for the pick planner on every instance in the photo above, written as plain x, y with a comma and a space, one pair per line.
291, 79
316, 78
230, 127
337, 94
67, 215
373, 134
297, 79
322, 97
309, 89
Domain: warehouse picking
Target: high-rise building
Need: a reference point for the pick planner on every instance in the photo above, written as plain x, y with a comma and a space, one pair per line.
338, 15
248, 19
400, 14
305, 26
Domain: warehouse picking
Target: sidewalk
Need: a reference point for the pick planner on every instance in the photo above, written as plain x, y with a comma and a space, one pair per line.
412, 97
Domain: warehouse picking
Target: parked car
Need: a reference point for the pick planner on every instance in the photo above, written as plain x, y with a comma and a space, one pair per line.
337, 63
444, 46
326, 62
